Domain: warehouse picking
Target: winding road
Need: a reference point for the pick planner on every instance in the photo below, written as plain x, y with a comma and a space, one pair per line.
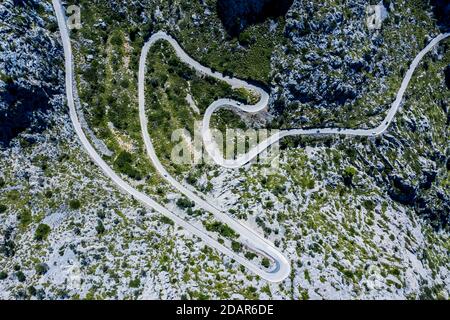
248, 236
282, 266
214, 152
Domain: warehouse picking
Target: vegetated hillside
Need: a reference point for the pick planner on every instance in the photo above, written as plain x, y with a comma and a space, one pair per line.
347, 212
236, 15
335, 71
65, 228
29, 68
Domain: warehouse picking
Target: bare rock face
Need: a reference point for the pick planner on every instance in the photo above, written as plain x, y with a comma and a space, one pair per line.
236, 15
30, 70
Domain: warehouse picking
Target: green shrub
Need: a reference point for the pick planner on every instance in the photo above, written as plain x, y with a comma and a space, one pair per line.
348, 175
135, 283
184, 203
117, 40
369, 205
348, 273
250, 255
75, 204
41, 268
42, 232
266, 263
3, 208
166, 220
236, 246
25, 218
124, 164
3, 275
20, 276
224, 230
32, 291
100, 228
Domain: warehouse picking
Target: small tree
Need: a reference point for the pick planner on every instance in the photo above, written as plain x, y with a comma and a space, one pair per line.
75, 204
3, 275
42, 232
266, 263
20, 276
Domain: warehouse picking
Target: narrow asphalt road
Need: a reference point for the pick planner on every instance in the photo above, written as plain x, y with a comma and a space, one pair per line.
277, 275
215, 153
248, 236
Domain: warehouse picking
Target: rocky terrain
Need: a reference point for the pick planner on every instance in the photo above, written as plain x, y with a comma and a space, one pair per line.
357, 217
335, 62
30, 68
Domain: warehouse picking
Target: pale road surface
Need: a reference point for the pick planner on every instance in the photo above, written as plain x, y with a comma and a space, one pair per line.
216, 155
282, 265
248, 236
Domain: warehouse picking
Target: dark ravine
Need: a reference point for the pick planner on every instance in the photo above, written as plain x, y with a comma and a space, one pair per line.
27, 106
442, 13
237, 15
29, 76
447, 76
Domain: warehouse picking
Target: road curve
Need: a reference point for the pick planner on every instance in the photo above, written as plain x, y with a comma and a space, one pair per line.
216, 155
276, 275
248, 236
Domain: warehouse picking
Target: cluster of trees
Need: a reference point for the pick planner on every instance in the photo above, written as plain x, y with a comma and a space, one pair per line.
124, 164
184, 203
222, 229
